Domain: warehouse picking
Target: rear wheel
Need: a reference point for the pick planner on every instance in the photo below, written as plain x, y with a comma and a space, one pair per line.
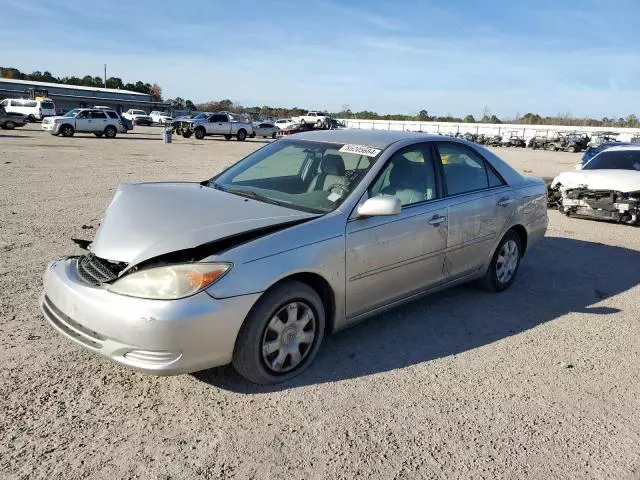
110, 132
67, 131
9, 125
241, 135
31, 118
273, 135
504, 264
227, 137
98, 134
200, 132
186, 133
281, 335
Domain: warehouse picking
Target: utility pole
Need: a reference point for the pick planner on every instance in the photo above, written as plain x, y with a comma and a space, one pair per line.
105, 75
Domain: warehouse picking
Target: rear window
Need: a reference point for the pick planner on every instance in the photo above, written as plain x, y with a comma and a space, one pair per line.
113, 115
47, 105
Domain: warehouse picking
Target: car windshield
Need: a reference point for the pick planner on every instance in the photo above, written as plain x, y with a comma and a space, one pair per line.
615, 160
310, 176
72, 113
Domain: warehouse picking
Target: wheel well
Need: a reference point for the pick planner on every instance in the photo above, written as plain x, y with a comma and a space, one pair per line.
522, 233
199, 127
323, 289
241, 130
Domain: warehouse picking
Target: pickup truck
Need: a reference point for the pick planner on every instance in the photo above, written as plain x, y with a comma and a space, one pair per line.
315, 118
216, 124
138, 117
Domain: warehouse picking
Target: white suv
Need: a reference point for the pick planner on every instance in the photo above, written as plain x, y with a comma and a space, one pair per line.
160, 117
33, 109
85, 120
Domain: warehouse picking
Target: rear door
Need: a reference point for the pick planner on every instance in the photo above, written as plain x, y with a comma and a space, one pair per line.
479, 203
98, 121
393, 257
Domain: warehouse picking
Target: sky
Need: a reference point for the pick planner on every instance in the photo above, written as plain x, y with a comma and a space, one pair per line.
576, 57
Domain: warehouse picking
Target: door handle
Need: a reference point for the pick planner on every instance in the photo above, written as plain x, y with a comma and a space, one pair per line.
505, 202
437, 220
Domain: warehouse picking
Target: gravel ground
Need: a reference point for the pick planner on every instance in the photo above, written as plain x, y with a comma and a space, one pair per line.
541, 381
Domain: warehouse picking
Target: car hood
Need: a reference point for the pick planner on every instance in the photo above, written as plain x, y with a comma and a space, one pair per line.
146, 220
619, 180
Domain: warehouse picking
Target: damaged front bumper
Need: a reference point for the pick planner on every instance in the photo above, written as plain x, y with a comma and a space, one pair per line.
600, 204
161, 337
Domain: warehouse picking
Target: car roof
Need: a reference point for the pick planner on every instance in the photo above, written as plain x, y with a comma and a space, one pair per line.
623, 148
371, 138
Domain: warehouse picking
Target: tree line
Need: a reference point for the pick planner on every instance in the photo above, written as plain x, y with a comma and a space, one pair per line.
227, 105
87, 81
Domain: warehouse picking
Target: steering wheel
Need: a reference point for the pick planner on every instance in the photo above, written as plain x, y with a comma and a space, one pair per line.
339, 189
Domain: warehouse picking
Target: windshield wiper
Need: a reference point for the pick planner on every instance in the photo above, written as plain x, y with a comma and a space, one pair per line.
249, 194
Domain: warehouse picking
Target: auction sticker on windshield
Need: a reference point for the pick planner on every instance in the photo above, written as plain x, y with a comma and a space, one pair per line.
360, 150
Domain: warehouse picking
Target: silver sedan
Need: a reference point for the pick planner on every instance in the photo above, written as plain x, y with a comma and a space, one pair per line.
305, 236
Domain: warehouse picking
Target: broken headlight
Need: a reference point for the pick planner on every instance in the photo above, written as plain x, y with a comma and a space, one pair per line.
170, 282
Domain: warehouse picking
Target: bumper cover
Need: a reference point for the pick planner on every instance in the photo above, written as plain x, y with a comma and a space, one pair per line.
153, 336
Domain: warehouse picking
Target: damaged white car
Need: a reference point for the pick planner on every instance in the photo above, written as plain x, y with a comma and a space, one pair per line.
607, 187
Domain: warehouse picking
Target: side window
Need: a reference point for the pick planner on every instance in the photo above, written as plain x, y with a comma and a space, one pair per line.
494, 179
464, 170
408, 175
98, 115
84, 114
218, 118
4, 103
113, 115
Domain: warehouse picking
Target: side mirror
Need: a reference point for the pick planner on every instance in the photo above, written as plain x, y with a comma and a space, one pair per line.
380, 205
578, 166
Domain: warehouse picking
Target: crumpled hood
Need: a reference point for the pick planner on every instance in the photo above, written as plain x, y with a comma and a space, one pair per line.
619, 180
145, 220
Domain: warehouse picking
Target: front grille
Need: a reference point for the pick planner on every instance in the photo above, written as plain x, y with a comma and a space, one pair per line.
96, 271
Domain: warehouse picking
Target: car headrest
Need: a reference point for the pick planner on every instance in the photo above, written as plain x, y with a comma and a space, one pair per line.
332, 165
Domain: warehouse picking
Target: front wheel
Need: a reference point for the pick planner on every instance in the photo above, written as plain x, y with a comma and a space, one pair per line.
67, 131
241, 135
186, 133
281, 335
200, 132
571, 149
504, 264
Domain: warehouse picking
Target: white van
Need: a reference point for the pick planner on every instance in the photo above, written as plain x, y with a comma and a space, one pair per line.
33, 109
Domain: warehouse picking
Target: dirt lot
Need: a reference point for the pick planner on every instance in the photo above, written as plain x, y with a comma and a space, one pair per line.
542, 381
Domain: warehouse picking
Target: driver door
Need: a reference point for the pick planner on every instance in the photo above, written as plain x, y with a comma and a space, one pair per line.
83, 121
392, 257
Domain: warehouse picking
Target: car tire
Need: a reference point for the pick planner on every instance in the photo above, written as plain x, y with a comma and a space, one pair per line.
200, 133
241, 136
551, 148
263, 354
67, 131
8, 125
571, 149
186, 133
31, 119
273, 135
227, 137
504, 265
178, 131
98, 134
110, 132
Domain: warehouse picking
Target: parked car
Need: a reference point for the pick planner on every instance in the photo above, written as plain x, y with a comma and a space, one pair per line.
607, 187
318, 119
303, 237
11, 120
138, 117
216, 124
162, 118
34, 109
294, 128
85, 120
265, 130
283, 122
